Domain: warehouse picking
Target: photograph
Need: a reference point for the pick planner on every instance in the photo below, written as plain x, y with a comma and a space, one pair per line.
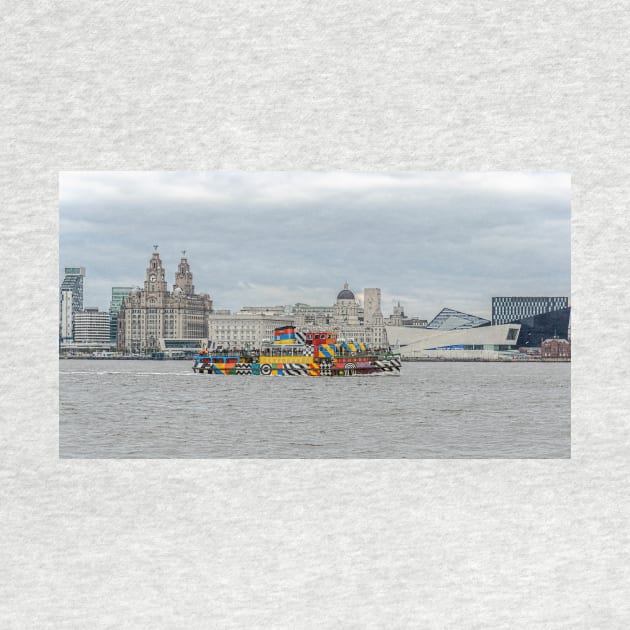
314, 315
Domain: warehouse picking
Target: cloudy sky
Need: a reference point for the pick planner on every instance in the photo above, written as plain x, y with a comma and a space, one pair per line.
428, 240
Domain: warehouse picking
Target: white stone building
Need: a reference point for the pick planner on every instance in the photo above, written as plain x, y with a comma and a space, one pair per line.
243, 330
91, 326
312, 317
252, 325
150, 315
347, 318
375, 333
66, 316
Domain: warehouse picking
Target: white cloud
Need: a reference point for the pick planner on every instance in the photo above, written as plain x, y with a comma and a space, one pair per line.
428, 239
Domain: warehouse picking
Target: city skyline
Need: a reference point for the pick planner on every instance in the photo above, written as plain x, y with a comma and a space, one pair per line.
428, 240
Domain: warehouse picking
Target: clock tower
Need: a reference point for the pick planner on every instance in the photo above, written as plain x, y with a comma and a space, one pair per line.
183, 277
149, 317
155, 281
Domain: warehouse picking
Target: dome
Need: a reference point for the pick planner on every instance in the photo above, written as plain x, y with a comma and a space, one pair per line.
345, 293
135, 291
178, 291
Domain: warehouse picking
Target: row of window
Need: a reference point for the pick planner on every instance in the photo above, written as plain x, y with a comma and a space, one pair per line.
229, 329
530, 300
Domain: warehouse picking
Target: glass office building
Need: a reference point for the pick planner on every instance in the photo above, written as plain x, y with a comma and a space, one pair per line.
506, 310
70, 301
540, 317
118, 297
534, 330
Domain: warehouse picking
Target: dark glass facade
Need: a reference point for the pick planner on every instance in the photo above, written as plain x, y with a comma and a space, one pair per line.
118, 296
545, 326
506, 310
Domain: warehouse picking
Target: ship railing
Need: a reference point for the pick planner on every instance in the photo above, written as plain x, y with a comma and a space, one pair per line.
213, 358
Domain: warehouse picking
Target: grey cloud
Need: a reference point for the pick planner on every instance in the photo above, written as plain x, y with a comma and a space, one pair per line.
282, 237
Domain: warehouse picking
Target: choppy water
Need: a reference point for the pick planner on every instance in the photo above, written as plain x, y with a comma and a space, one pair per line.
162, 409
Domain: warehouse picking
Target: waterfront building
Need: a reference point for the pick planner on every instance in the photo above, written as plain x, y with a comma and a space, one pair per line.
243, 330
479, 343
346, 308
373, 320
397, 318
346, 317
154, 313
346, 311
70, 301
372, 314
353, 322
540, 317
66, 317
450, 319
91, 326
555, 348
118, 296
309, 317
535, 329
274, 311
513, 309
418, 322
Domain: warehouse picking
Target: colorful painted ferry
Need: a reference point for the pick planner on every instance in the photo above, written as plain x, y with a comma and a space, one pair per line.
294, 353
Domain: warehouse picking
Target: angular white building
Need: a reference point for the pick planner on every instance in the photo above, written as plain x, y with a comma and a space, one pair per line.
483, 343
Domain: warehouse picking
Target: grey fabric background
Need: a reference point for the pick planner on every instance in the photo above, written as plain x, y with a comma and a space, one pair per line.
301, 85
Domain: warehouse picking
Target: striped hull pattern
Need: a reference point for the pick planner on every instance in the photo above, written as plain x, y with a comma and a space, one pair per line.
349, 366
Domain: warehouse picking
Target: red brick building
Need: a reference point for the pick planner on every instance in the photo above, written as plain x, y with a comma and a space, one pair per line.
555, 349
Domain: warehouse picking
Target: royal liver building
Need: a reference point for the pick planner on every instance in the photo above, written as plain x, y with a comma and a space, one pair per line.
150, 315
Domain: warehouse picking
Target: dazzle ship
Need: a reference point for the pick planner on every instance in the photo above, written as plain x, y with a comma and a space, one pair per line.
294, 353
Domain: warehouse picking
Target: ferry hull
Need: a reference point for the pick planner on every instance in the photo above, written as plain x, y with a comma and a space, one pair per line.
380, 365
293, 353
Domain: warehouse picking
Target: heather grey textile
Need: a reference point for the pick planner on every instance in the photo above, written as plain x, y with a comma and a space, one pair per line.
300, 85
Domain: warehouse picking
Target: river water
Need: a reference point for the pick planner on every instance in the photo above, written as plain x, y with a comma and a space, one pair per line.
158, 409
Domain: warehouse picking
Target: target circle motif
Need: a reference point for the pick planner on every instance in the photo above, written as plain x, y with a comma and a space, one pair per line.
265, 369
